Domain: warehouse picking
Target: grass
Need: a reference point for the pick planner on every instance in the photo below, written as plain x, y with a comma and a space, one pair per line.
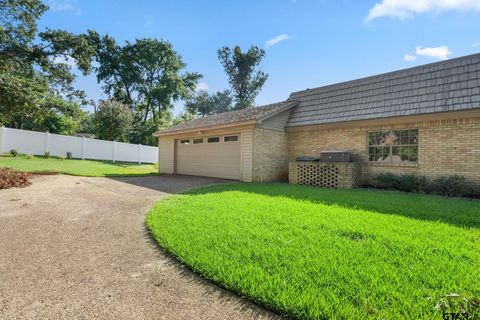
90, 168
326, 254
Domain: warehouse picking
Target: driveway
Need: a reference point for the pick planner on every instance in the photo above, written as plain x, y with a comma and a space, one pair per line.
76, 248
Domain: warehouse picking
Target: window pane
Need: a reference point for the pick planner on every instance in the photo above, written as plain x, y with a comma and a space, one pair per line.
413, 137
378, 154
197, 141
371, 154
185, 141
371, 138
213, 140
385, 152
413, 153
230, 138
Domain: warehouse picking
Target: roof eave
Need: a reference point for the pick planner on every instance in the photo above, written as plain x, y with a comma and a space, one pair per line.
204, 128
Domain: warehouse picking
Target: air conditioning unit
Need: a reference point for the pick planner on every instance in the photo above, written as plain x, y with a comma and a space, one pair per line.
335, 156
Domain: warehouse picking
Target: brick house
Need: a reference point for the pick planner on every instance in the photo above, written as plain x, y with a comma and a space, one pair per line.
423, 120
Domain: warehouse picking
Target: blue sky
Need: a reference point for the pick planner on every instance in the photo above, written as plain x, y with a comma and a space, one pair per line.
309, 43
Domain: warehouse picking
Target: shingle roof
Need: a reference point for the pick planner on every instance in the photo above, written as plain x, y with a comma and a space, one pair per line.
233, 117
449, 85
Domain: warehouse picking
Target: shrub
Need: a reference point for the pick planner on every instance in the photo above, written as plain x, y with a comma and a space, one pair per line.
29, 156
69, 155
14, 152
46, 154
408, 182
10, 178
453, 186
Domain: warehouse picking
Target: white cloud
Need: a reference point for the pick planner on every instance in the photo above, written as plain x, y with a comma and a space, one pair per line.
409, 57
277, 40
442, 52
476, 44
404, 9
202, 86
65, 60
64, 6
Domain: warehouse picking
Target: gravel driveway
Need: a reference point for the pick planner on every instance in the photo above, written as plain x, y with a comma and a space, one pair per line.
76, 248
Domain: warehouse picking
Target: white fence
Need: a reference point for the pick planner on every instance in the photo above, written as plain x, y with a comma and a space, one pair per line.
37, 143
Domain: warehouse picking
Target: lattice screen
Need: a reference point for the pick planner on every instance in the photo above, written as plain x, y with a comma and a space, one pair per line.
317, 175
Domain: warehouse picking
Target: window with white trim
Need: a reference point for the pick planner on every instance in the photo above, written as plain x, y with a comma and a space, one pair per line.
197, 140
185, 141
230, 138
213, 140
393, 146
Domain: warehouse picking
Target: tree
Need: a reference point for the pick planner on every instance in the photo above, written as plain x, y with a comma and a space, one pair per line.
148, 75
245, 81
204, 104
112, 121
33, 72
183, 117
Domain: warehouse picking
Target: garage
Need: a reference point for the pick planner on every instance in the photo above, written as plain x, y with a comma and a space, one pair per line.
246, 145
211, 156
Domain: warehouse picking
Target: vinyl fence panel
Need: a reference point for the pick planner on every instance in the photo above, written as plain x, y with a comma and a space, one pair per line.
37, 143
60, 145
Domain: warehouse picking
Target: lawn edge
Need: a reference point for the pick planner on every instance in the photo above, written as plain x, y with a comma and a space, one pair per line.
171, 253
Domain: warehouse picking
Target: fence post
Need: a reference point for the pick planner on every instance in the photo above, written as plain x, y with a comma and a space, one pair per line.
113, 155
83, 147
47, 141
139, 153
3, 133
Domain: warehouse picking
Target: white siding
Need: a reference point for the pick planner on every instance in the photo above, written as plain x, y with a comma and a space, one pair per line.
277, 122
247, 155
166, 155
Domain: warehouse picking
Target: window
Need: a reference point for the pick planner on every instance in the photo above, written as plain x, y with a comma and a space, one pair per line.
393, 146
230, 138
213, 140
185, 141
197, 140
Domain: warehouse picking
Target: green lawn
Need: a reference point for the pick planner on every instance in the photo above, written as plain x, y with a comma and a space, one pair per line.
326, 254
90, 168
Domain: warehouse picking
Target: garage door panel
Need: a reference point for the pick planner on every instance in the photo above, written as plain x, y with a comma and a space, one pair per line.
220, 160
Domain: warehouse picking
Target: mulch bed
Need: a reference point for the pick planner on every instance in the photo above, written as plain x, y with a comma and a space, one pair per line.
13, 179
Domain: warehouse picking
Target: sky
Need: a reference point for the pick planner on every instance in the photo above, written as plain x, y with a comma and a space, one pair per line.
308, 43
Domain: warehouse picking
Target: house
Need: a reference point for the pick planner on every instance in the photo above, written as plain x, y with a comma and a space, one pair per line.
422, 120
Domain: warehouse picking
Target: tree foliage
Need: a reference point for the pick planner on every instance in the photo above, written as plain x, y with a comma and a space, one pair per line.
35, 82
112, 121
148, 75
203, 104
244, 78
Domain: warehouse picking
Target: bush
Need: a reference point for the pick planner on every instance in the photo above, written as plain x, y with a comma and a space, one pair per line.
14, 152
10, 178
452, 186
46, 154
408, 182
69, 155
29, 156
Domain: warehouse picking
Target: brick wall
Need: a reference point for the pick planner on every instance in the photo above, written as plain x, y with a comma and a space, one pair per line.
446, 147
270, 155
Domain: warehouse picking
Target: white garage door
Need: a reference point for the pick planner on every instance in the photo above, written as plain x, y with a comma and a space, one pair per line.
213, 156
